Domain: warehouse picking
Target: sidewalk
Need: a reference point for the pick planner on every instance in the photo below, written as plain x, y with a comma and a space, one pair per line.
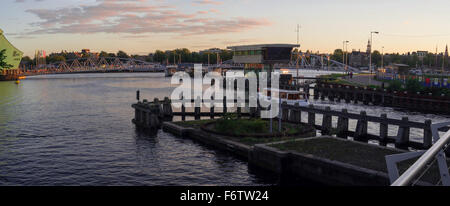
363, 80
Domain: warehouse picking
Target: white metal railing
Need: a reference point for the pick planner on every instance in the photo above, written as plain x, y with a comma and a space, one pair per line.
420, 167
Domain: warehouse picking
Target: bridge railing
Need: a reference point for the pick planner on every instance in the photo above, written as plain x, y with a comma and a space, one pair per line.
423, 164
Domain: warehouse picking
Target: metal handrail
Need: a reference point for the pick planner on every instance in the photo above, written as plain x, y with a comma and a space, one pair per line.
410, 174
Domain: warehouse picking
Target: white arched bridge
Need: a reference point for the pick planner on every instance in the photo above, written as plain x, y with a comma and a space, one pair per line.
102, 64
116, 64
318, 62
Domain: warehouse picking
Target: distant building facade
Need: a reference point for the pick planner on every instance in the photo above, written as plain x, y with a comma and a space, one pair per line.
358, 59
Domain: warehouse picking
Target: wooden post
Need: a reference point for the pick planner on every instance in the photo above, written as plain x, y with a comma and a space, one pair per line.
326, 122
316, 92
197, 108
144, 117
402, 139
183, 110
347, 96
167, 108
342, 125
224, 105
147, 116
383, 130
427, 135
211, 112
136, 114
295, 115
238, 111
361, 128
312, 117
285, 113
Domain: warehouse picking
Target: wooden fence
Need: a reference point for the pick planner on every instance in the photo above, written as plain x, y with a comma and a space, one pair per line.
148, 114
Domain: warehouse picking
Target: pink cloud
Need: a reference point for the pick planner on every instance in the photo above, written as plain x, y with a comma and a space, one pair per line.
136, 17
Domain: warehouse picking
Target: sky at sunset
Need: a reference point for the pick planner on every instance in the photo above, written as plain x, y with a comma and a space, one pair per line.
142, 26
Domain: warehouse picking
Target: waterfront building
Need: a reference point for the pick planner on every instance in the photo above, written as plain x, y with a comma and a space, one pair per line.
358, 59
13, 58
262, 57
421, 54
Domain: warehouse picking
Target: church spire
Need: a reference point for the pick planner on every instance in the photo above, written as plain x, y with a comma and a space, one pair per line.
446, 51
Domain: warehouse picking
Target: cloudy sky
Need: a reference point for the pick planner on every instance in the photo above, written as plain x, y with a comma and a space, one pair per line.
142, 26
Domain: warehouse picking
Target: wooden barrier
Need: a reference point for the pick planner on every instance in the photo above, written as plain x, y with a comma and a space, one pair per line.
152, 114
382, 97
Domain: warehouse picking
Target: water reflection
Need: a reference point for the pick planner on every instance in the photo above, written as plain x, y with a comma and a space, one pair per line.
76, 130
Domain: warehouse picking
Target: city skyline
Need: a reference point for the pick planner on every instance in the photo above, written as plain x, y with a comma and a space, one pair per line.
141, 26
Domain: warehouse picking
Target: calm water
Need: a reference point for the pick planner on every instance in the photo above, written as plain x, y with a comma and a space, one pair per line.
76, 130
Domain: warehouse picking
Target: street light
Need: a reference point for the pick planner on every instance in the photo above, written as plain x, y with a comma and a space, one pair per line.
344, 44
370, 52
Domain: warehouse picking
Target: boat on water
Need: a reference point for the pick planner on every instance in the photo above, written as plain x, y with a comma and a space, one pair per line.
291, 97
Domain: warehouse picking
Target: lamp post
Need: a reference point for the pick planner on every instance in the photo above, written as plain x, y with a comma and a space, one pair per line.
370, 51
382, 63
346, 55
344, 51
382, 55
370, 55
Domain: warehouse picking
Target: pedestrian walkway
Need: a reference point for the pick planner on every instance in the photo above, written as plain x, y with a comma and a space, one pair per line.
365, 80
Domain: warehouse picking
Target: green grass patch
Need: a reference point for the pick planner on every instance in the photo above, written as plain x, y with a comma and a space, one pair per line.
254, 141
362, 155
194, 124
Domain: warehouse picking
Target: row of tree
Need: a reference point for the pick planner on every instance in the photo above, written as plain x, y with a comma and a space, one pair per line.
185, 55
411, 59
178, 55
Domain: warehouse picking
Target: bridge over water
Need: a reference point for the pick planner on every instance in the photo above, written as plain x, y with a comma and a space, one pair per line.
115, 64
318, 62
103, 64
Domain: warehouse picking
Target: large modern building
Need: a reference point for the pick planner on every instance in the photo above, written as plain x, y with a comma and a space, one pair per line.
13, 58
262, 57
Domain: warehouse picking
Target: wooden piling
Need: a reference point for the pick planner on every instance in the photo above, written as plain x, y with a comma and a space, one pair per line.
326, 122
383, 130
311, 117
402, 139
342, 125
427, 135
361, 128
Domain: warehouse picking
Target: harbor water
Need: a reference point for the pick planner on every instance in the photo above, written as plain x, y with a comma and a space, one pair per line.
75, 129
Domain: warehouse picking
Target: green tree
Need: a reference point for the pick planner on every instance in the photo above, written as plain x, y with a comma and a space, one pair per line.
159, 56
122, 54
337, 55
55, 58
376, 58
3, 64
103, 54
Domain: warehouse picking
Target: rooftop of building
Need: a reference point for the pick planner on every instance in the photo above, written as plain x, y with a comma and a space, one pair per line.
261, 46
